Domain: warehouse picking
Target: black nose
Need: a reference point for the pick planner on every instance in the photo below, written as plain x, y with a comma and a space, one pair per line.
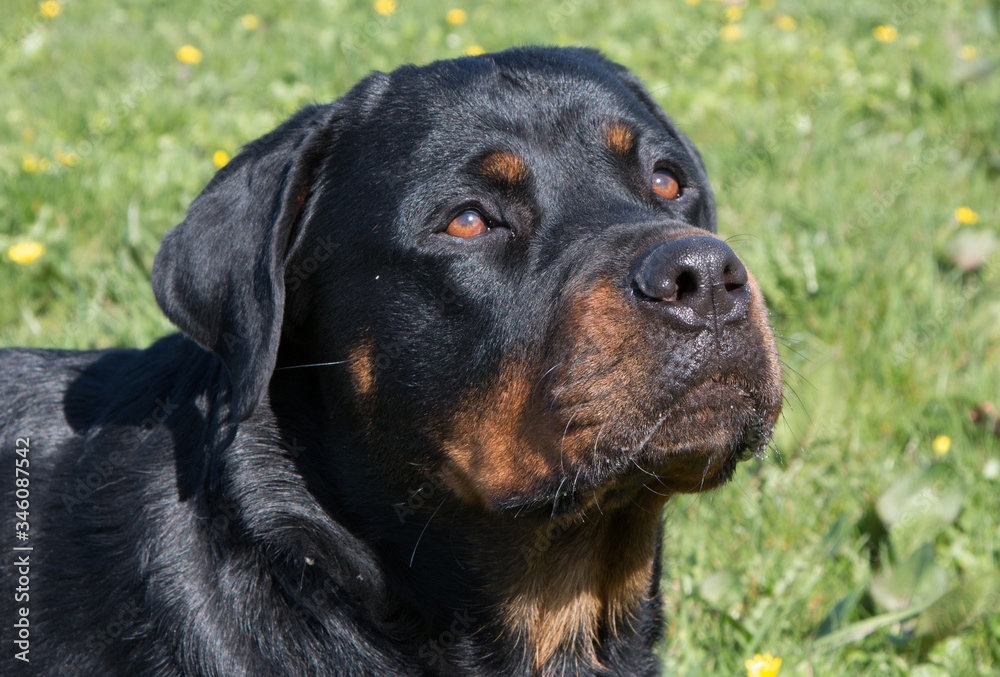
698, 280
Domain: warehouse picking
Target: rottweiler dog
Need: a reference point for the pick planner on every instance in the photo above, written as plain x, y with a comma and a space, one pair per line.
449, 345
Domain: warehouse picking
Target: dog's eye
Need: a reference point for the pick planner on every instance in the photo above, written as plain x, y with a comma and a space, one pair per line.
665, 184
467, 224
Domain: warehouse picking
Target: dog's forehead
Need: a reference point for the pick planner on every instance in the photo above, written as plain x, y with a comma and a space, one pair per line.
527, 93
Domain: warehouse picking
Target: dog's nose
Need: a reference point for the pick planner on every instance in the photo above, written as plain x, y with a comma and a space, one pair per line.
698, 280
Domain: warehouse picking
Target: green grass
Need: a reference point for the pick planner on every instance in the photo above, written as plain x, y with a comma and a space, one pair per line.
838, 161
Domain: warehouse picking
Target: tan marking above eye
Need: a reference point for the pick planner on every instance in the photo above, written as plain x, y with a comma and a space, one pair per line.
505, 167
665, 184
469, 223
620, 138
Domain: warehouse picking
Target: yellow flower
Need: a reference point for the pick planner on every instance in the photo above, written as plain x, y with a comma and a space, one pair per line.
885, 33
220, 158
29, 163
733, 14
189, 54
25, 252
967, 52
786, 23
50, 9
385, 7
966, 216
474, 50
68, 159
941, 445
44, 165
732, 32
456, 17
763, 666
251, 22
692, 2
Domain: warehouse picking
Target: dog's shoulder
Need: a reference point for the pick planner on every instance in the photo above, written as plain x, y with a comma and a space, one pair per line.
33, 387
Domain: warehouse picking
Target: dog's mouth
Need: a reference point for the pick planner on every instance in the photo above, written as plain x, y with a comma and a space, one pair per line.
693, 445
593, 452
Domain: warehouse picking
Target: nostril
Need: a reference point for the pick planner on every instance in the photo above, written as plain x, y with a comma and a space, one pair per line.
734, 275
687, 284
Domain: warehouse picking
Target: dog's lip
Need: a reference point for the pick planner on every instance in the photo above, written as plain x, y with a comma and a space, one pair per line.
718, 445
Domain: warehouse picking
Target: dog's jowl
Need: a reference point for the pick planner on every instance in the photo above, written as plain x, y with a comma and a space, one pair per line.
449, 344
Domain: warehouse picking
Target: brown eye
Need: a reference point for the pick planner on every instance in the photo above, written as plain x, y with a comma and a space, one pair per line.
467, 224
665, 184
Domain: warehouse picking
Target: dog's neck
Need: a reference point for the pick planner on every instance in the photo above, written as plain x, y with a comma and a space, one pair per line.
541, 593
569, 585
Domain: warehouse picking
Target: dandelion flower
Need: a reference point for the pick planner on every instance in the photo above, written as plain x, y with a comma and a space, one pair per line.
29, 163
966, 216
456, 17
786, 23
692, 2
885, 33
251, 22
67, 159
474, 50
763, 666
385, 7
220, 158
50, 9
941, 445
189, 54
25, 252
732, 33
733, 14
967, 52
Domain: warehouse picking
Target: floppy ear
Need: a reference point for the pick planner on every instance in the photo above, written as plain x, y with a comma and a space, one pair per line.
219, 275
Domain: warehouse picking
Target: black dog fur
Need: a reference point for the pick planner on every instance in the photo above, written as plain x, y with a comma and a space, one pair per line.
379, 448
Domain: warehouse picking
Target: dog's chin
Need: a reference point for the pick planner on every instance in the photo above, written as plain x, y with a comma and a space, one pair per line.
695, 446
699, 466
722, 425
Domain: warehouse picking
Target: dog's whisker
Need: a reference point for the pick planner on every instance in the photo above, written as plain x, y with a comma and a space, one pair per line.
655, 428
555, 499
317, 364
652, 492
562, 441
424, 530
